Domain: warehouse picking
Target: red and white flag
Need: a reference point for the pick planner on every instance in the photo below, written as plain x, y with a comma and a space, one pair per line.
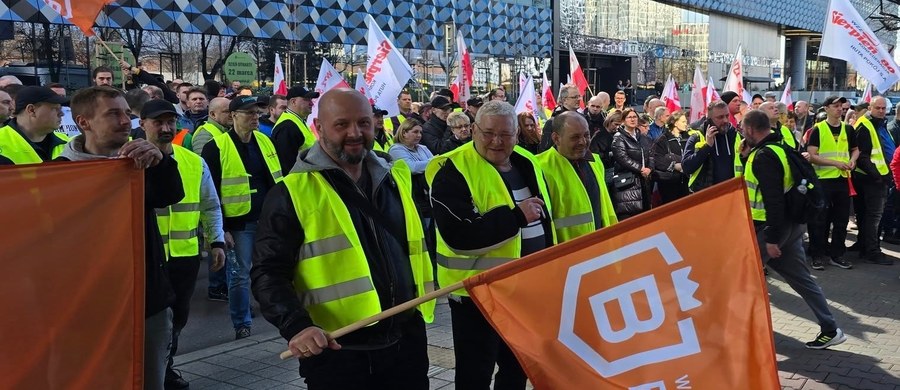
867, 93
527, 100
547, 94
577, 74
698, 96
786, 97
387, 72
670, 96
466, 70
735, 80
711, 93
329, 78
278, 79
456, 85
847, 37
522, 80
361, 86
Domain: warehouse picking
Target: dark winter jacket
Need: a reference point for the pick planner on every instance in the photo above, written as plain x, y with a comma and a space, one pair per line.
769, 172
287, 139
280, 237
434, 133
546, 141
667, 151
716, 163
630, 155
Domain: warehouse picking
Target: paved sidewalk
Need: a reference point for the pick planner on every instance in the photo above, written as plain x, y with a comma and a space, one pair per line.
865, 301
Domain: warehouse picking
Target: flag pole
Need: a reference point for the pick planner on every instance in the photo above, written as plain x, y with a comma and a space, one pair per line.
387, 313
120, 61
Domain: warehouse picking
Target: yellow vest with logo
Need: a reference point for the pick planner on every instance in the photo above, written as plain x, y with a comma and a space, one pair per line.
332, 277
235, 187
16, 148
877, 156
828, 148
308, 137
488, 193
738, 165
757, 207
572, 213
178, 223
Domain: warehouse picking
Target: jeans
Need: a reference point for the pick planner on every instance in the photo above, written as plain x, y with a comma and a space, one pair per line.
869, 207
217, 279
239, 275
403, 365
477, 347
834, 218
157, 338
183, 276
792, 267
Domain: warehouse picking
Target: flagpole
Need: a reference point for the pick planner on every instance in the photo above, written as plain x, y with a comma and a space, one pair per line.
387, 313
120, 61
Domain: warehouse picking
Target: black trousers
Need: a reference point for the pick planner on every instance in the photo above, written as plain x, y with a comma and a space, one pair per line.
477, 347
403, 365
833, 219
183, 276
869, 207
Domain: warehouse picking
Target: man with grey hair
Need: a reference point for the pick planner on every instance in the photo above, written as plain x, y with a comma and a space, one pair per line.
8, 80
804, 120
569, 100
154, 92
772, 111
502, 221
871, 179
658, 127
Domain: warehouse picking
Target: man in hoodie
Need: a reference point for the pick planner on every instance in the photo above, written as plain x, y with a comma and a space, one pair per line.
101, 114
711, 154
338, 193
569, 100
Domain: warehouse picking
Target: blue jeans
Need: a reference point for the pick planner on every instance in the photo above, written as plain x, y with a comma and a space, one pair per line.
218, 280
792, 267
239, 275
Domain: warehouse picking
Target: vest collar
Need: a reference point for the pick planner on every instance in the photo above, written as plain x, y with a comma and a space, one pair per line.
315, 159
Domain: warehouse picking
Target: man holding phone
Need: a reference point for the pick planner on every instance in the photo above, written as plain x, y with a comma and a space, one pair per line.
711, 154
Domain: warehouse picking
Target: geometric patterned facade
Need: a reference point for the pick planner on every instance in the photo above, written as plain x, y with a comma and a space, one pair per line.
498, 28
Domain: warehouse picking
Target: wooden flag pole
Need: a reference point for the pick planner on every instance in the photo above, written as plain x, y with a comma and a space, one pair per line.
387, 313
102, 42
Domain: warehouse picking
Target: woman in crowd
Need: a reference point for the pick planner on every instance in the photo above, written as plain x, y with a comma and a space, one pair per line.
631, 154
666, 159
417, 156
528, 133
460, 132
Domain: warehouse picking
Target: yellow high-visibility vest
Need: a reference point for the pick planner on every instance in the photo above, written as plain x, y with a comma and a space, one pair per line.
757, 207
877, 155
309, 138
16, 148
178, 223
828, 148
235, 185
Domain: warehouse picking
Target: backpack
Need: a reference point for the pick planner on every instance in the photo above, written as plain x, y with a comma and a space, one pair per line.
806, 199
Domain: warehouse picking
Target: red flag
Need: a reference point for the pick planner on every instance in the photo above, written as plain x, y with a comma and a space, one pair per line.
278, 80
466, 74
642, 304
786, 97
83, 15
670, 96
867, 94
547, 94
577, 75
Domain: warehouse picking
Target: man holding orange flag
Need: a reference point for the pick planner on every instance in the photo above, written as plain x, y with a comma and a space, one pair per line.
489, 207
769, 177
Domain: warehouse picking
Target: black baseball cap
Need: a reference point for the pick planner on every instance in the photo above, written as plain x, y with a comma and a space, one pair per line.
155, 108
445, 92
34, 95
299, 91
378, 111
828, 101
757, 96
443, 102
475, 102
244, 102
727, 97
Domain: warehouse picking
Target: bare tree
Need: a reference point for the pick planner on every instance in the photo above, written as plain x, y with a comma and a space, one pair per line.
205, 42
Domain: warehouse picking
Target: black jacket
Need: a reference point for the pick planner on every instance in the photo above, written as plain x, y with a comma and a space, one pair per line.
434, 133
864, 162
288, 139
716, 163
546, 140
667, 150
630, 155
601, 144
44, 149
280, 237
463, 227
168, 93
770, 173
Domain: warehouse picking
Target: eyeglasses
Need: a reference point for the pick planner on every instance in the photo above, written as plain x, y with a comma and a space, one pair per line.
490, 135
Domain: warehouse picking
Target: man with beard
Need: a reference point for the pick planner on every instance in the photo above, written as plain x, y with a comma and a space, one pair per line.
711, 153
178, 223
343, 204
291, 133
244, 166
30, 137
596, 112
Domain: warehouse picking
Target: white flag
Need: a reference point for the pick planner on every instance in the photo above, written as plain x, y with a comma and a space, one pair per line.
786, 97
329, 78
280, 87
735, 80
466, 70
527, 101
711, 93
849, 38
522, 80
386, 70
867, 94
698, 96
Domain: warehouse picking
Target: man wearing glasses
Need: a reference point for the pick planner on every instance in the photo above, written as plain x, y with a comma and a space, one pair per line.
569, 100
244, 166
489, 207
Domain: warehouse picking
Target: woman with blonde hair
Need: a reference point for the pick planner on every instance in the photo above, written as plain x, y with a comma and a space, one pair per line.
407, 147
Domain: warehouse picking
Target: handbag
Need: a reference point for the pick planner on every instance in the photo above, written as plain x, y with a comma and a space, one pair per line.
624, 180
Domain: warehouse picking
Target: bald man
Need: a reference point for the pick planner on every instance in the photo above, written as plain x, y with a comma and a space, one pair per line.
218, 122
340, 192
787, 136
871, 179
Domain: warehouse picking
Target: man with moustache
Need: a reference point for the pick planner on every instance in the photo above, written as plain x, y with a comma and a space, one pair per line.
344, 204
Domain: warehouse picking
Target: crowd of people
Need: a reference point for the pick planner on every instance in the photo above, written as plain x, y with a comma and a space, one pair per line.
330, 221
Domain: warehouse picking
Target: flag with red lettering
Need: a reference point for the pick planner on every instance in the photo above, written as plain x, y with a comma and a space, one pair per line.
643, 304
867, 93
527, 101
329, 78
847, 37
387, 72
278, 79
786, 97
698, 96
466, 70
735, 80
577, 75
547, 94
81, 13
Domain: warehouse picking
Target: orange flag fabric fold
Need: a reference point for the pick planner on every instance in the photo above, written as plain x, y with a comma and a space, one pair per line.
673, 298
82, 13
72, 286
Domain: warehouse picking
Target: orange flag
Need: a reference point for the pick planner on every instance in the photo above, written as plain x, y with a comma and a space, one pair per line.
72, 286
673, 298
81, 13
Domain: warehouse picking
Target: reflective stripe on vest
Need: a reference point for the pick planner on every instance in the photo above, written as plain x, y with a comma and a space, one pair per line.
16, 148
332, 276
828, 148
235, 185
877, 155
488, 193
308, 137
572, 210
178, 223
757, 207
